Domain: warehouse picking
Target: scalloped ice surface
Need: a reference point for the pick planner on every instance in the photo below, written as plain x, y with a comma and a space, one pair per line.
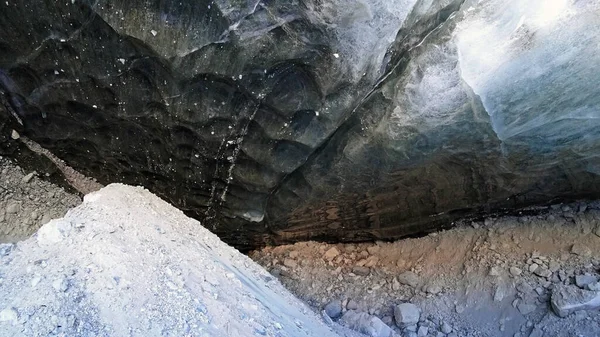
278, 121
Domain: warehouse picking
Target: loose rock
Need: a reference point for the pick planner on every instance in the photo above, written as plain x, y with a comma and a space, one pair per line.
567, 299
582, 281
446, 328
365, 323
331, 253
581, 250
13, 208
26, 179
9, 315
362, 271
333, 309
409, 278
406, 314
514, 271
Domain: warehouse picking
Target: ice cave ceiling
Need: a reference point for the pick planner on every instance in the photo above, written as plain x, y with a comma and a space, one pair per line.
275, 121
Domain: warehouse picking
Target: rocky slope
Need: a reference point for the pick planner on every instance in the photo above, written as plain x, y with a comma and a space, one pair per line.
519, 276
27, 202
125, 263
277, 121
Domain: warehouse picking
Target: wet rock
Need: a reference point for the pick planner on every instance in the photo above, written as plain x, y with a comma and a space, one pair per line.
366, 324
406, 314
333, 309
568, 299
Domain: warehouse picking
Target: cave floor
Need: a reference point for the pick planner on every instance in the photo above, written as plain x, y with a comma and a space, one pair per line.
487, 278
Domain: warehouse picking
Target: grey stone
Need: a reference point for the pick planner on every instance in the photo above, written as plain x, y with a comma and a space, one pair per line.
61, 284
423, 331
290, 263
581, 250
543, 272
331, 253
526, 309
582, 281
533, 267
333, 309
568, 299
6, 248
14, 135
352, 305
362, 271
446, 328
406, 314
594, 286
409, 278
514, 271
373, 249
366, 324
553, 266
13, 207
26, 179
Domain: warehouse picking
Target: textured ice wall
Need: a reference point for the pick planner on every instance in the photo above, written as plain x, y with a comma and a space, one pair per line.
535, 64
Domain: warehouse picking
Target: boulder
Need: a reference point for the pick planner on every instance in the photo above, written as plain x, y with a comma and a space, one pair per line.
406, 314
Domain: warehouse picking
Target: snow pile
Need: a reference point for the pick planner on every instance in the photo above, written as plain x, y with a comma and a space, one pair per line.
126, 263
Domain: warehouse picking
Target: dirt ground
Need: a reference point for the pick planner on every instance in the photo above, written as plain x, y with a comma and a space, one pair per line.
490, 278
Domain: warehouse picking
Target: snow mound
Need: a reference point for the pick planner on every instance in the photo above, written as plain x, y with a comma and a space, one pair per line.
126, 263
